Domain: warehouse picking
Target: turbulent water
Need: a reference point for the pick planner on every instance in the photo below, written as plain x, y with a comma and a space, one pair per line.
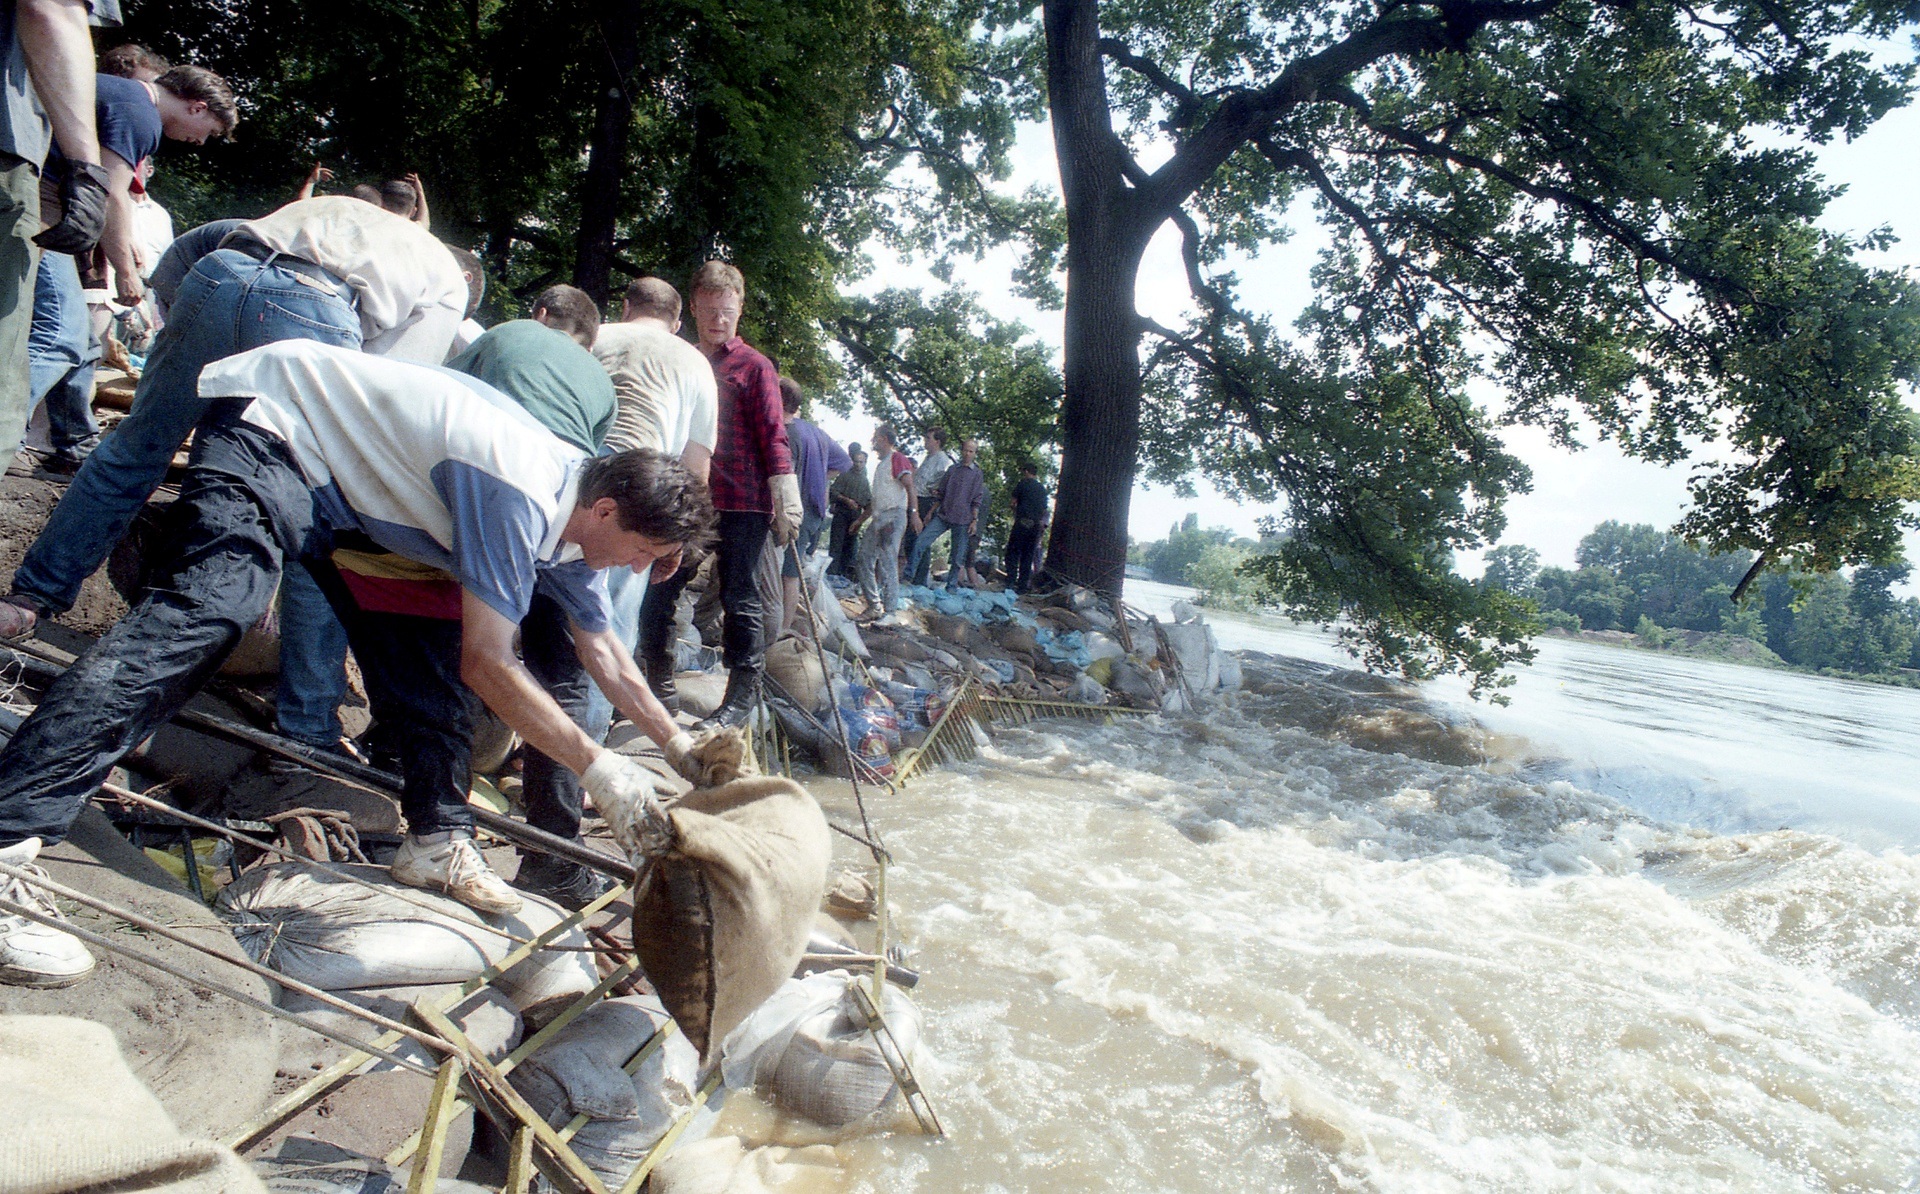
1334, 935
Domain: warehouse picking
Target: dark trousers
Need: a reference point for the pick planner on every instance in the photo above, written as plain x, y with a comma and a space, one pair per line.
1022, 544
842, 543
552, 792
743, 536
243, 513
422, 710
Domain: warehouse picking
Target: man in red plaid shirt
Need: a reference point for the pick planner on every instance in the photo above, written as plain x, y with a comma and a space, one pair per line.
755, 493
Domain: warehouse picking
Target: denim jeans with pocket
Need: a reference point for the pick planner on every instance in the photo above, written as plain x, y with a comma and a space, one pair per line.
61, 351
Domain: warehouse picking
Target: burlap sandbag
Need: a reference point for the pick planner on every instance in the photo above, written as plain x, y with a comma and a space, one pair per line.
77, 1119
723, 918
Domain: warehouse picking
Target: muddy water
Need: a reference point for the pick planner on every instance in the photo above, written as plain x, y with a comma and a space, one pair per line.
1334, 935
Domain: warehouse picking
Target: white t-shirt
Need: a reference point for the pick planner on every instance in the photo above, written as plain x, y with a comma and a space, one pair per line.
888, 493
431, 464
152, 230
665, 389
411, 293
464, 336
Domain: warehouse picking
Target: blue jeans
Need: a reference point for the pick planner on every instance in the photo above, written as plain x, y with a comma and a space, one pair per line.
61, 352
923, 550
629, 592
229, 303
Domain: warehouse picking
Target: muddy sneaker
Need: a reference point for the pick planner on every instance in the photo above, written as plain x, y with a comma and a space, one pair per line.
32, 954
18, 617
567, 884
453, 865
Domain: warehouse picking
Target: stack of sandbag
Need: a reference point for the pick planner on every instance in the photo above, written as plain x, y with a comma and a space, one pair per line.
809, 1049
338, 936
581, 1071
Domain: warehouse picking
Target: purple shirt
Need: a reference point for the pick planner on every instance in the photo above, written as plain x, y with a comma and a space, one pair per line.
815, 453
961, 493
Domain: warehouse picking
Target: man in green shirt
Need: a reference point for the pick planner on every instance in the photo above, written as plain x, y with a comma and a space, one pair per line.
548, 372
850, 498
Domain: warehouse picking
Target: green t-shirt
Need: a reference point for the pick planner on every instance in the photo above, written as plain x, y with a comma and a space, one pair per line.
559, 382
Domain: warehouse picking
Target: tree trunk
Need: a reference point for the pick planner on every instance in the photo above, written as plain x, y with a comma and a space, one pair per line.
1106, 236
607, 153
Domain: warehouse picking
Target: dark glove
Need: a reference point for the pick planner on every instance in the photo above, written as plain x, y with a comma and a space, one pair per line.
83, 198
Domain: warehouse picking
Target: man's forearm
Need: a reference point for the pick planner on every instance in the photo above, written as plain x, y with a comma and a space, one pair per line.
612, 668
117, 242
59, 52
505, 686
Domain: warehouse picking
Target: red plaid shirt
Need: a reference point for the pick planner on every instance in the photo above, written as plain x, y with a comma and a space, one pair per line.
753, 431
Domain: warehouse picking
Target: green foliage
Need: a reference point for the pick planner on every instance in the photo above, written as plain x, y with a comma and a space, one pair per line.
1606, 209
1171, 560
1220, 575
770, 133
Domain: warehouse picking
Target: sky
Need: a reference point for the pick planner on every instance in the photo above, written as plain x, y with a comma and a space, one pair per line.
1572, 490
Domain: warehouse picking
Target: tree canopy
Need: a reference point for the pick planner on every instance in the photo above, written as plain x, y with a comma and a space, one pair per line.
1609, 209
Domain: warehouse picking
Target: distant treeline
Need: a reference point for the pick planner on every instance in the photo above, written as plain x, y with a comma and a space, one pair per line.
1208, 559
1649, 583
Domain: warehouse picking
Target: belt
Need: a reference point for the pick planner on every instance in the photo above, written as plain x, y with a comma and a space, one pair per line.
266, 254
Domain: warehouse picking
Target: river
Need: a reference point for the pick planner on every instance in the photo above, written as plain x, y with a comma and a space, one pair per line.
1653, 926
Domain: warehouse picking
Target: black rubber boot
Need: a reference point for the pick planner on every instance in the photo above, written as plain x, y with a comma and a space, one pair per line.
743, 696
567, 884
660, 679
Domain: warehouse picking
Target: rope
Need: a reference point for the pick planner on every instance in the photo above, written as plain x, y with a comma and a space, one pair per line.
874, 844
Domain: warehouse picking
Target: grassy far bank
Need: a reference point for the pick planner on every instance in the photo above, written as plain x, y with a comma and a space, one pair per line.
1638, 587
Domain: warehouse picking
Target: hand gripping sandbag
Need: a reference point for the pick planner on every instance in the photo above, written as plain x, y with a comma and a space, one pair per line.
727, 898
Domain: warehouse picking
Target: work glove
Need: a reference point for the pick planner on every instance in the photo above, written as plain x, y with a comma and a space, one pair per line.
83, 199
679, 752
787, 511
623, 791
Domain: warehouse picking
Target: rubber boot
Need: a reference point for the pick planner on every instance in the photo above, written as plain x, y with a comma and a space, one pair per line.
660, 679
743, 696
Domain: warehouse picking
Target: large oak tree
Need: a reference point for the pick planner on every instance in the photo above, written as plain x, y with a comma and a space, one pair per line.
1608, 209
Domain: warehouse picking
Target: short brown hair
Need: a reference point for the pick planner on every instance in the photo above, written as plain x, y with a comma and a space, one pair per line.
193, 83
656, 495
719, 276
569, 310
791, 395
399, 197
652, 298
476, 272
127, 60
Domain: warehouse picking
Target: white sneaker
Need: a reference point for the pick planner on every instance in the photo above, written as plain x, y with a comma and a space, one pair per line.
32, 954
456, 867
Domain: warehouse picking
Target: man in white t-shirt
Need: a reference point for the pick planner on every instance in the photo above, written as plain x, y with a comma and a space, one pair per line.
312, 451
669, 403
895, 503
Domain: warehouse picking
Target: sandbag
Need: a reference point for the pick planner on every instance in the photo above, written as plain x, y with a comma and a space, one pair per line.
337, 935
794, 664
581, 1072
809, 1049
488, 1017
723, 918
77, 1119
314, 1167
724, 1165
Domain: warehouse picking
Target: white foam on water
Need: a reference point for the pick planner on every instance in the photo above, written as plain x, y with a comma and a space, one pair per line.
1242, 953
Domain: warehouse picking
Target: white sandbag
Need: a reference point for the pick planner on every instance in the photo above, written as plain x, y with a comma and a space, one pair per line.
78, 1119
580, 1072
1085, 690
337, 936
809, 1048
1227, 668
724, 1165
1194, 645
1103, 646
831, 619
488, 1017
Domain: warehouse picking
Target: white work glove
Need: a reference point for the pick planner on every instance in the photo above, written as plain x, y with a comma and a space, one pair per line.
787, 510
679, 752
624, 793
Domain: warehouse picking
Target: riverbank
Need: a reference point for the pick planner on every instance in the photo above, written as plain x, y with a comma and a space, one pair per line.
1720, 647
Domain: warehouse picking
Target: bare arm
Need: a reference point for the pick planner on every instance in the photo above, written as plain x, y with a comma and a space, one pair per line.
59, 51
420, 216
504, 685
698, 461
117, 240
318, 174
612, 668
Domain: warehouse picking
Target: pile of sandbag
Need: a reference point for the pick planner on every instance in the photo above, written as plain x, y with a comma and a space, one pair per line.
808, 1048
582, 1071
340, 936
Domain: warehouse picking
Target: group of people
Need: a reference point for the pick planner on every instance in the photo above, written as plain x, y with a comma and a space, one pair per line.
904, 509
502, 517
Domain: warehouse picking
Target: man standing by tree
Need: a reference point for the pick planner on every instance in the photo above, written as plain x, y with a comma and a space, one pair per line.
755, 493
851, 496
1029, 515
957, 509
927, 476
894, 503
